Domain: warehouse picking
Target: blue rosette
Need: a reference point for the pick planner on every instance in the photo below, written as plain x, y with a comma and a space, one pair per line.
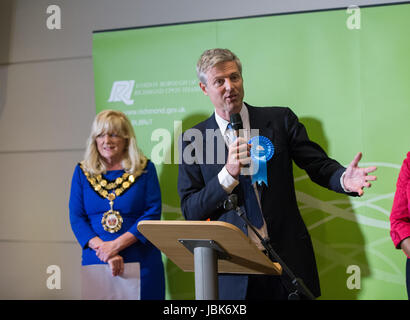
262, 151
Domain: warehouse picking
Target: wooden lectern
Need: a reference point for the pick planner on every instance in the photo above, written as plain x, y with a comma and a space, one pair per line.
207, 248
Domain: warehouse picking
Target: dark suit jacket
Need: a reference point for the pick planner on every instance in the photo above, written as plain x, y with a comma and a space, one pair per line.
202, 195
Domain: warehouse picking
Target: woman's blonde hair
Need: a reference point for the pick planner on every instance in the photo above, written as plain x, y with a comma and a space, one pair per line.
109, 122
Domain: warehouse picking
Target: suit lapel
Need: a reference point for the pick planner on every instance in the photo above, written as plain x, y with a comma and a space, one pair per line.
258, 121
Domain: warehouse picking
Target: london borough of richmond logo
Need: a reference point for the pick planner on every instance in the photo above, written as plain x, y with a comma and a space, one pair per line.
121, 92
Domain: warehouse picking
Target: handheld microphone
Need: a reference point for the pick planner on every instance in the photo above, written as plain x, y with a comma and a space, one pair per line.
236, 122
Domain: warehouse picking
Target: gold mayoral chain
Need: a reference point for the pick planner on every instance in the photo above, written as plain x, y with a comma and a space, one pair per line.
111, 220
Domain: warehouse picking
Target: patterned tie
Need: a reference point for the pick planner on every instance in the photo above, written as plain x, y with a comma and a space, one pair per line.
252, 209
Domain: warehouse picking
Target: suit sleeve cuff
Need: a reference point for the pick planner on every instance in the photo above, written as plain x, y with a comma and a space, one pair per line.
227, 182
342, 184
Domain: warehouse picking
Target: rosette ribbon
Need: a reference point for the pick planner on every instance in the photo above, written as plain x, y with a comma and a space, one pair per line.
262, 151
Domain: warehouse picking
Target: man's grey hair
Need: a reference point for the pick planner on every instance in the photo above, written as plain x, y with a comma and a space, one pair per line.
212, 57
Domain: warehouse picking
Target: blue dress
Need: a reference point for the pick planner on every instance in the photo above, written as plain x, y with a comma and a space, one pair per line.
142, 201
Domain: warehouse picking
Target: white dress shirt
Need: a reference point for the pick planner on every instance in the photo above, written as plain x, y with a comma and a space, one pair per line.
228, 182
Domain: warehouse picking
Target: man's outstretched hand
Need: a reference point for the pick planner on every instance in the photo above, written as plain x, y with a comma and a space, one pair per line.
355, 178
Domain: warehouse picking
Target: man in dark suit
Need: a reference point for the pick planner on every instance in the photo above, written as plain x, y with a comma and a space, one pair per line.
205, 181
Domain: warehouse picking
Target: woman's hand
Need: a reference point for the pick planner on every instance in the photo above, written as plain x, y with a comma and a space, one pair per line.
106, 250
116, 264
94, 243
405, 246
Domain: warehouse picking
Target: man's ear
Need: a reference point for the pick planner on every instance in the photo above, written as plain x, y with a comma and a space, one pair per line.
203, 88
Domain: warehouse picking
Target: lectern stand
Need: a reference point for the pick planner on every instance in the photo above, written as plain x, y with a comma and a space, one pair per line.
207, 248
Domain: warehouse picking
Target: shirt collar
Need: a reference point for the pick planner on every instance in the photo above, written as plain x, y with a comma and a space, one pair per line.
222, 123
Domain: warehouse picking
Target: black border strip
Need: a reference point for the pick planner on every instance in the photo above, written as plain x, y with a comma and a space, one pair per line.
250, 17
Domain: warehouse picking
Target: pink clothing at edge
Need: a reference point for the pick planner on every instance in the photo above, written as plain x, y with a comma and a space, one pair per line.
400, 213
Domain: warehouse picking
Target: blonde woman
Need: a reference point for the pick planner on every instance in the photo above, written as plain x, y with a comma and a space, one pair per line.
112, 189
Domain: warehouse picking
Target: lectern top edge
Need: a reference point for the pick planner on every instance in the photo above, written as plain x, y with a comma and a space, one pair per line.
189, 222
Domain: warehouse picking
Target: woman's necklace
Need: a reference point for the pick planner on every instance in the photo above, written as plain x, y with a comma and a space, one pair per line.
111, 220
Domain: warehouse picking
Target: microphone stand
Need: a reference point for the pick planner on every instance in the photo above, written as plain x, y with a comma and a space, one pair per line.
298, 284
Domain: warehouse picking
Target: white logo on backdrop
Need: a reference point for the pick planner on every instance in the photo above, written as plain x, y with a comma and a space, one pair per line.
121, 92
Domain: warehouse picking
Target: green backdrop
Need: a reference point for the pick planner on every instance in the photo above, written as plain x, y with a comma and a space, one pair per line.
350, 87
